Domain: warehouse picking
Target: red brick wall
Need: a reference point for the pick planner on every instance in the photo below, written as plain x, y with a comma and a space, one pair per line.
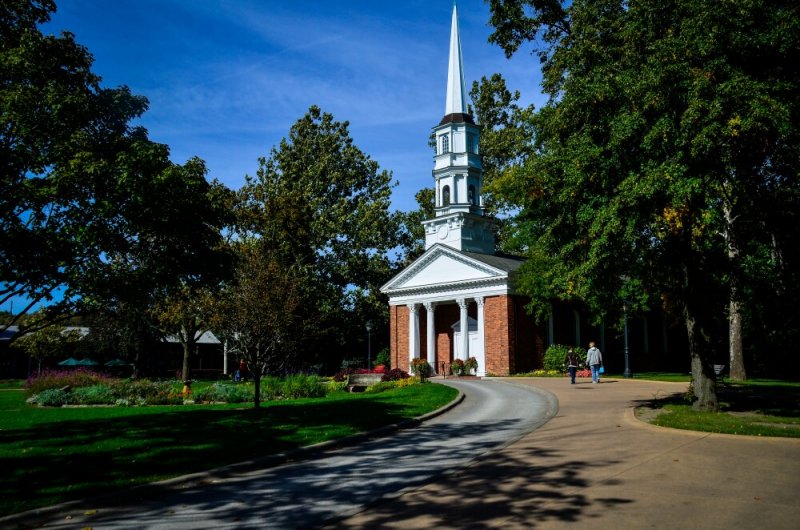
399, 339
497, 312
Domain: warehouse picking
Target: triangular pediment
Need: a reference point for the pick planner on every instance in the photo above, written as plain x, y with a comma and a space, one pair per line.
441, 265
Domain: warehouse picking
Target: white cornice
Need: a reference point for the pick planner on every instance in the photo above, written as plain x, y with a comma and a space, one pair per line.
430, 255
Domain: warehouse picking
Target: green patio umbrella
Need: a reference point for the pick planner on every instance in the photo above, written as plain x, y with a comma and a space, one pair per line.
86, 362
117, 362
69, 362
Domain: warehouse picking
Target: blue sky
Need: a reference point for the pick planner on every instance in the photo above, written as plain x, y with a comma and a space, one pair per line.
227, 79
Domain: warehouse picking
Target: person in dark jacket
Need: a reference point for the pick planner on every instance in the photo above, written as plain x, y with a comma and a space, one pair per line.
572, 360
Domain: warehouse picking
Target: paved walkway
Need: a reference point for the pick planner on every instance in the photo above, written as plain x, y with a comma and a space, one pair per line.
595, 466
592, 465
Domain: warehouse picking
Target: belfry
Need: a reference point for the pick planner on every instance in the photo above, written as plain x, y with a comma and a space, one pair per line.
457, 300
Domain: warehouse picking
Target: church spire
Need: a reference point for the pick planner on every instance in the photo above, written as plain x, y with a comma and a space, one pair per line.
459, 220
456, 102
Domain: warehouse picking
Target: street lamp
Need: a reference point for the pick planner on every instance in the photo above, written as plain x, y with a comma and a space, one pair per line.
368, 325
627, 373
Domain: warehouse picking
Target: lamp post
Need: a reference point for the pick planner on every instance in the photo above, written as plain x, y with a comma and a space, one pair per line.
368, 325
627, 373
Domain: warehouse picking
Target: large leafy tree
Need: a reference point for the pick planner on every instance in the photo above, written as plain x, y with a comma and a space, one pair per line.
670, 126
321, 206
506, 131
92, 212
411, 232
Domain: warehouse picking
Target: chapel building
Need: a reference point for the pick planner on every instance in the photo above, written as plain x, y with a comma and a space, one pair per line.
458, 300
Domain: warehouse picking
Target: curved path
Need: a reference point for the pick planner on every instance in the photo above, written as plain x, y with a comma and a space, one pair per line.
339, 483
595, 466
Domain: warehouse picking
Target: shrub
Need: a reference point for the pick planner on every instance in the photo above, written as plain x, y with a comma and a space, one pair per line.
421, 367
146, 392
271, 388
61, 378
394, 375
408, 381
335, 386
225, 393
555, 355
53, 397
381, 387
94, 395
383, 358
303, 386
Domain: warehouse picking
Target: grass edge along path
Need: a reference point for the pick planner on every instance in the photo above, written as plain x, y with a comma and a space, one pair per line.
757, 407
51, 456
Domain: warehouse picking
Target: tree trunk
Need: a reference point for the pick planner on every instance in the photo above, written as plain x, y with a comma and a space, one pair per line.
703, 378
187, 358
257, 387
735, 347
736, 369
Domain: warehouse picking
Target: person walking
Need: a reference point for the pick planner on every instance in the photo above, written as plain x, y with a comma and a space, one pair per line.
572, 361
595, 360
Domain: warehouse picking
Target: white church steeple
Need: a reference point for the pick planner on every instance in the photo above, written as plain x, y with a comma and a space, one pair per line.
458, 175
456, 101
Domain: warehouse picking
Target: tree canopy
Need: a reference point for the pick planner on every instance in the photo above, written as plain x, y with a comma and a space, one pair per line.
670, 128
320, 206
92, 210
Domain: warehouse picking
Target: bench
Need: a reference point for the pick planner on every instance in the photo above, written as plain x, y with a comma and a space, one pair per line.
360, 382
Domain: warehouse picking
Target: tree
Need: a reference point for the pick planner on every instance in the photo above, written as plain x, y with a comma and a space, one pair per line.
47, 344
320, 205
183, 305
53, 113
126, 331
91, 211
668, 126
505, 143
411, 231
260, 313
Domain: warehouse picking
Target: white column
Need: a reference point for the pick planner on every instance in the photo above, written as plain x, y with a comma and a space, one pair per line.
431, 334
463, 304
225, 357
481, 355
413, 332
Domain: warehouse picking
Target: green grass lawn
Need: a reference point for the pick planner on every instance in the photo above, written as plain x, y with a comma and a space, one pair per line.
759, 407
52, 455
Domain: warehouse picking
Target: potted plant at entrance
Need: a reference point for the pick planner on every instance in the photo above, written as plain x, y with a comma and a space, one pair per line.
471, 366
421, 368
457, 367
